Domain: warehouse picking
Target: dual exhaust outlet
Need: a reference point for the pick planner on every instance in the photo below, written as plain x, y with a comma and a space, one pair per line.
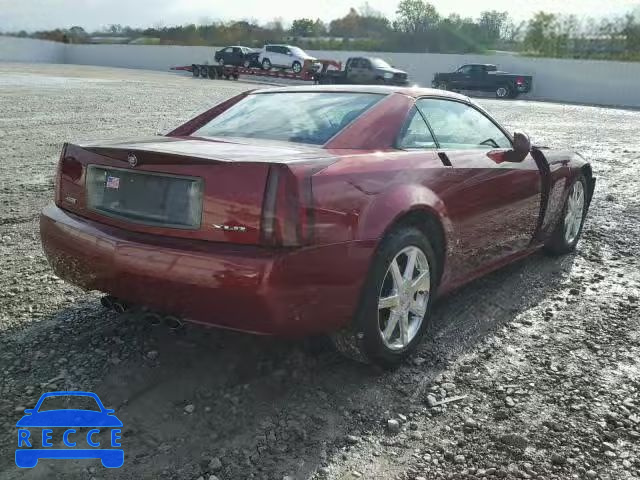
120, 306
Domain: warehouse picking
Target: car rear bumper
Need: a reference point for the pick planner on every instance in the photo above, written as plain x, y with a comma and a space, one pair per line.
287, 292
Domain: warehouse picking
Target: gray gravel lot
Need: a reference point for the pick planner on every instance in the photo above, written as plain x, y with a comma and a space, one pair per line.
540, 361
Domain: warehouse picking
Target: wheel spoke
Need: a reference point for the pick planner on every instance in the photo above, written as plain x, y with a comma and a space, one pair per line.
411, 265
388, 302
404, 329
392, 322
418, 309
395, 273
421, 283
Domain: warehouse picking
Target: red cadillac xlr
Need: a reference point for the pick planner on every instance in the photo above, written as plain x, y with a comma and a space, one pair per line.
328, 209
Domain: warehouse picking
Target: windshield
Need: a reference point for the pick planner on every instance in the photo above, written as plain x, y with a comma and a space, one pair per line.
379, 63
298, 52
301, 117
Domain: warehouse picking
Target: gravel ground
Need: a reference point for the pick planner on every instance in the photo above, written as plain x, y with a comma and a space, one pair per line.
531, 372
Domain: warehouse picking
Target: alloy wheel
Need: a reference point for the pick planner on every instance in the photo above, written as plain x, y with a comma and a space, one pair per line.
575, 211
403, 298
502, 92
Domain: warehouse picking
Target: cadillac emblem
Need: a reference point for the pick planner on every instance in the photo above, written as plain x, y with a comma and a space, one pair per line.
132, 159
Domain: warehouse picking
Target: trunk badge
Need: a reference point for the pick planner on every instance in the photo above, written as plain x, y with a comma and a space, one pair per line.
230, 228
132, 159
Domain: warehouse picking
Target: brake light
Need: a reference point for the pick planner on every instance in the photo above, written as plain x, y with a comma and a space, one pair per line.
56, 184
71, 168
520, 81
286, 209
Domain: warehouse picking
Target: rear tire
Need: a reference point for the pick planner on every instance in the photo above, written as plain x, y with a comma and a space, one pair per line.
390, 304
266, 64
212, 72
204, 71
569, 229
503, 91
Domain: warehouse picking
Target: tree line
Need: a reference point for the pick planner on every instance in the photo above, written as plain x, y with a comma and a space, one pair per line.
417, 27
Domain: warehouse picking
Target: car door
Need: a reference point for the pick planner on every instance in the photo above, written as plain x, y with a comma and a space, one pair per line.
367, 72
235, 57
353, 70
493, 204
462, 77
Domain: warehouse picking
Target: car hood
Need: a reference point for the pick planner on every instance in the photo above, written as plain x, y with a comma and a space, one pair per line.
214, 149
390, 70
69, 418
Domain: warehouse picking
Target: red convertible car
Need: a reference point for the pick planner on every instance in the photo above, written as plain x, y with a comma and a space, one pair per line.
302, 210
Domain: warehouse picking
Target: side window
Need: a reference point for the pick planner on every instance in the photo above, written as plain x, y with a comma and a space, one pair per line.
365, 63
415, 133
237, 50
270, 48
466, 69
354, 63
224, 50
460, 126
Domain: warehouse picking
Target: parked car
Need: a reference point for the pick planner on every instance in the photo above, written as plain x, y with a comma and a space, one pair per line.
485, 78
314, 209
237, 56
365, 71
283, 56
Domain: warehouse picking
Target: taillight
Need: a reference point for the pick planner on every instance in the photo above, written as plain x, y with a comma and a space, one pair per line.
520, 81
56, 185
71, 168
287, 219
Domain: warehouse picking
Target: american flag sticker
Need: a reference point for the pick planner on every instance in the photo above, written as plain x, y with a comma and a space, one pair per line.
113, 182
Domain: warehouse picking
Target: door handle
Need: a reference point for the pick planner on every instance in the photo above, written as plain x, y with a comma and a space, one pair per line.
445, 159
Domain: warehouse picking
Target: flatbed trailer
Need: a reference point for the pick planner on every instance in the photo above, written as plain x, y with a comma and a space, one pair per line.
308, 74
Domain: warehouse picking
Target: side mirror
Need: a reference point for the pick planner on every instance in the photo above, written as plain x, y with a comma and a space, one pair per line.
521, 143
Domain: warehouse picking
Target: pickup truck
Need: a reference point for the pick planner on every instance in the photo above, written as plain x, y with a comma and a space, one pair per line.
364, 71
485, 78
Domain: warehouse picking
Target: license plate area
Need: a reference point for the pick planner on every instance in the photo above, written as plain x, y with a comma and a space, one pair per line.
146, 198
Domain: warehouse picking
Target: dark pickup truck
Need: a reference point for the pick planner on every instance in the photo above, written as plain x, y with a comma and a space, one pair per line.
365, 71
485, 78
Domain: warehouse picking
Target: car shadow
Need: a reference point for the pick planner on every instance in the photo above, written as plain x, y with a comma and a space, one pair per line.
261, 404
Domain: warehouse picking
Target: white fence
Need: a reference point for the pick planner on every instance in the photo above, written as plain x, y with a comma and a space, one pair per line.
561, 80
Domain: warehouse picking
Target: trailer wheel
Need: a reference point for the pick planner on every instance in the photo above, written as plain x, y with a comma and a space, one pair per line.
195, 70
235, 76
266, 64
212, 72
226, 77
203, 71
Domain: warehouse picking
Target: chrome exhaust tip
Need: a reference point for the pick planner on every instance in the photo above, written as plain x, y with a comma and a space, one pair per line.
173, 322
153, 318
107, 301
120, 306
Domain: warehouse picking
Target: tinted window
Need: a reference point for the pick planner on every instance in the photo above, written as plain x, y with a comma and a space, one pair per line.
270, 49
355, 63
364, 63
302, 117
466, 69
237, 50
415, 133
225, 50
457, 125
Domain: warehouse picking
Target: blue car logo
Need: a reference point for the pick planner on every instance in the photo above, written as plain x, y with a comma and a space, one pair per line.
36, 432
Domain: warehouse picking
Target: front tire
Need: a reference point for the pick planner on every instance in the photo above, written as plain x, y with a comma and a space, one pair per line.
266, 64
296, 67
394, 311
569, 229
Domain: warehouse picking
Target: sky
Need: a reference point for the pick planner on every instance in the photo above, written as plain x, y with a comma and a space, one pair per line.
92, 14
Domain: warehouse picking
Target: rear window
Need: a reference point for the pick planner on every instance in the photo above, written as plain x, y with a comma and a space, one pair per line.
300, 117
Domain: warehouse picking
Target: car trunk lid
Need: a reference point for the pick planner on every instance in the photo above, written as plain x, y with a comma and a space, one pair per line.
194, 188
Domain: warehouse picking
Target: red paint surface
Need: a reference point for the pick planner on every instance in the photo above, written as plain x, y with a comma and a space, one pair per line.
335, 201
